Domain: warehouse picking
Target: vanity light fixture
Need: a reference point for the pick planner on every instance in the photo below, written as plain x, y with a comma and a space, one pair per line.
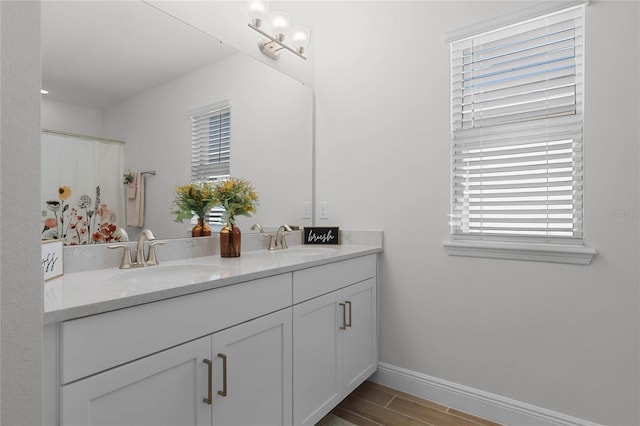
279, 22
44, 92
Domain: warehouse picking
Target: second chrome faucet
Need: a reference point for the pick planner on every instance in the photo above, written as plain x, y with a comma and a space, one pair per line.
140, 261
278, 241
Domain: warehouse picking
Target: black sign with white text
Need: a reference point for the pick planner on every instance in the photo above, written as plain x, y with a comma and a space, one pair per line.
321, 235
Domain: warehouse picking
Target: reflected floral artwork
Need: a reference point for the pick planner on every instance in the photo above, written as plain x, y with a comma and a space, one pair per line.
83, 221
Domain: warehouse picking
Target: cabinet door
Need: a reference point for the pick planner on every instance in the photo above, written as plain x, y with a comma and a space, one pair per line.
256, 358
162, 389
317, 343
360, 346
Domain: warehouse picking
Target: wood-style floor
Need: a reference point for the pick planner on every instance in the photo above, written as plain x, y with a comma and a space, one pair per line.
374, 405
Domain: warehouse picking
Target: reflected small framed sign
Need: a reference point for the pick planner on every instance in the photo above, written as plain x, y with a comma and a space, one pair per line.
321, 235
52, 259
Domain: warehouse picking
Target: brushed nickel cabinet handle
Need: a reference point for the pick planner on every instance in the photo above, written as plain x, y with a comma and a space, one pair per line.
349, 304
209, 398
344, 317
223, 392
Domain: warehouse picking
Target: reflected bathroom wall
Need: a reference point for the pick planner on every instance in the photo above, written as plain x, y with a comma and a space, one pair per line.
271, 122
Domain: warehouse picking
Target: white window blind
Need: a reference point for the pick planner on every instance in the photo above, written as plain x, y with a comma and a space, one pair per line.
516, 131
211, 151
210, 144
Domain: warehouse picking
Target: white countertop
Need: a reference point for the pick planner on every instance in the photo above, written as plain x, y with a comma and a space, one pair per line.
80, 294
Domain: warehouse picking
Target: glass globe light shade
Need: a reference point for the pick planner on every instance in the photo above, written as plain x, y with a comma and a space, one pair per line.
258, 11
299, 37
279, 24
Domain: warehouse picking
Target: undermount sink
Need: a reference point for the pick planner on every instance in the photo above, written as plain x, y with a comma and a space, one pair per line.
167, 274
303, 251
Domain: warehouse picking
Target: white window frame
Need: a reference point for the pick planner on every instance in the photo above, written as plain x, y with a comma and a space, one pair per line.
464, 241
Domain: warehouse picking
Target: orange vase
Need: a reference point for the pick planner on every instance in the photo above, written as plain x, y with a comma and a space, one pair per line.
201, 229
230, 239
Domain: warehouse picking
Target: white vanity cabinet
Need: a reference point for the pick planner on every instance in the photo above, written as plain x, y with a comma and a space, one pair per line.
334, 335
244, 373
115, 368
278, 350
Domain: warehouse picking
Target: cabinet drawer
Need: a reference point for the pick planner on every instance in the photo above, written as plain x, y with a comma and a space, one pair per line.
96, 343
313, 282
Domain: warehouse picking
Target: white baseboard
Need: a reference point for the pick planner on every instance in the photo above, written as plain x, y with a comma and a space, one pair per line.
479, 403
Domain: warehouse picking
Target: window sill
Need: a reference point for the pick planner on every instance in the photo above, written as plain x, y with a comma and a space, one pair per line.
536, 252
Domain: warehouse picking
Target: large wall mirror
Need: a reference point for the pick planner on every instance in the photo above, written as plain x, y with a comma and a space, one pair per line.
127, 71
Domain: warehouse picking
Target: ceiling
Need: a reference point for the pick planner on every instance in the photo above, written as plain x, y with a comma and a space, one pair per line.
99, 53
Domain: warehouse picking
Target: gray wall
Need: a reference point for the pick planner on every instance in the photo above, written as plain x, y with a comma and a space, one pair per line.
20, 271
557, 336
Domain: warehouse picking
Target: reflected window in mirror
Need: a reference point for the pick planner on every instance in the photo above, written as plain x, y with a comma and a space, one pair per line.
211, 151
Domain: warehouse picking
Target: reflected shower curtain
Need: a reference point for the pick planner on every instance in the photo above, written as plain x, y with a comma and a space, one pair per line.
82, 189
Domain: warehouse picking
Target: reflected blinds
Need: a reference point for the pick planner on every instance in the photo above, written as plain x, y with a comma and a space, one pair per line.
516, 129
210, 144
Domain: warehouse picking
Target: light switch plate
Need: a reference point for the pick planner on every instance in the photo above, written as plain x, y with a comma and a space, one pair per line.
306, 210
324, 210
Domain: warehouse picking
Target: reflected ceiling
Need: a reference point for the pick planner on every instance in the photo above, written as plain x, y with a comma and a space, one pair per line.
97, 54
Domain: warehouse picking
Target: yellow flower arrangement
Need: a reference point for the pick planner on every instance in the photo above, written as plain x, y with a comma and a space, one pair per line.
236, 197
193, 199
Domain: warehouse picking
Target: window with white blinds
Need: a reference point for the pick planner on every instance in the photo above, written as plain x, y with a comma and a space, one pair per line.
516, 132
211, 150
210, 144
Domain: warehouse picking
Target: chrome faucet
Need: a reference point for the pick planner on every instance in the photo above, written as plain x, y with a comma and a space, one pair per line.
278, 241
140, 261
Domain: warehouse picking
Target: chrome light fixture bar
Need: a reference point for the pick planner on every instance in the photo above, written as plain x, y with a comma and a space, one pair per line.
271, 45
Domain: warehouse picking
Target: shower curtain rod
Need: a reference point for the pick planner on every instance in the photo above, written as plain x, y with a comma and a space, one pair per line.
79, 136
